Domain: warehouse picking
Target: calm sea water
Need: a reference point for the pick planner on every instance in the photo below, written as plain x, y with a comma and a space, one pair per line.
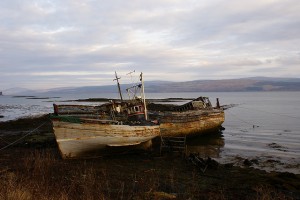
263, 127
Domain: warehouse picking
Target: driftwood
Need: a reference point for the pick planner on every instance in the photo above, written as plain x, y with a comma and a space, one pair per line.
202, 163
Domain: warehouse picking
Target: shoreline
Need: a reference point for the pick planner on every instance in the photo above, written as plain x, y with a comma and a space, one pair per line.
135, 175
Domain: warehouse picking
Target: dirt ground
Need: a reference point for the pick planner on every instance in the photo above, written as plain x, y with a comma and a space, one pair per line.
32, 168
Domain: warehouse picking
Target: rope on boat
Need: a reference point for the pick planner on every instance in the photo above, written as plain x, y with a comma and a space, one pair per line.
21, 138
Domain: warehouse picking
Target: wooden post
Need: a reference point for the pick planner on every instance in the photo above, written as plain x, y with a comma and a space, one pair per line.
218, 104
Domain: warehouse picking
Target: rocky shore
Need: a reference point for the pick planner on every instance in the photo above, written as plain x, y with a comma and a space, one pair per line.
31, 168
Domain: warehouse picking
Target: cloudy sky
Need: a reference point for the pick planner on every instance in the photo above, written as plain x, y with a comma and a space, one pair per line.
62, 43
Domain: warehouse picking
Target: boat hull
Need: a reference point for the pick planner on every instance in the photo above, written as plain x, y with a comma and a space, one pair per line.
80, 139
191, 123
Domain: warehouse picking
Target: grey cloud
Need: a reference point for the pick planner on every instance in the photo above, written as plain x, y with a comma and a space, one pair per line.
171, 40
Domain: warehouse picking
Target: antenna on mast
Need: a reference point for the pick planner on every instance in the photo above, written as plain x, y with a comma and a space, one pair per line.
130, 73
129, 91
119, 87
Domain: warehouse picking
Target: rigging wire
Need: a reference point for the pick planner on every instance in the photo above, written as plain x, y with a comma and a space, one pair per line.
269, 112
4, 140
254, 125
242, 119
10, 144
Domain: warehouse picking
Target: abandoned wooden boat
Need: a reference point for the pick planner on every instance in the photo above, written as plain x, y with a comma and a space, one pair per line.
82, 130
193, 118
78, 136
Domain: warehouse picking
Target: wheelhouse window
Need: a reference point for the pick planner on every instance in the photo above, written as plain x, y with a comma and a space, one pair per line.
136, 108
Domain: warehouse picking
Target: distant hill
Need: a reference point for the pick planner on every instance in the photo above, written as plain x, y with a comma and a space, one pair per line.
225, 85
229, 85
17, 90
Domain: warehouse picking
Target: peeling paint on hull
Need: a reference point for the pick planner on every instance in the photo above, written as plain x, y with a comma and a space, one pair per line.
77, 139
189, 123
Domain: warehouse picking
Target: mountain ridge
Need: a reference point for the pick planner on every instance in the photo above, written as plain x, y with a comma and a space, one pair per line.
223, 85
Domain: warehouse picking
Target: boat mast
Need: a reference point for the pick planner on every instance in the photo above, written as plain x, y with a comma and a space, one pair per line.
143, 95
119, 87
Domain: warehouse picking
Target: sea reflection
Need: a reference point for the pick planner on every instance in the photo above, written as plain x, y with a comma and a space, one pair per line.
206, 145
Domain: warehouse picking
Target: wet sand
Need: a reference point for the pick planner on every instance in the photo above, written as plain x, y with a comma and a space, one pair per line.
33, 169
